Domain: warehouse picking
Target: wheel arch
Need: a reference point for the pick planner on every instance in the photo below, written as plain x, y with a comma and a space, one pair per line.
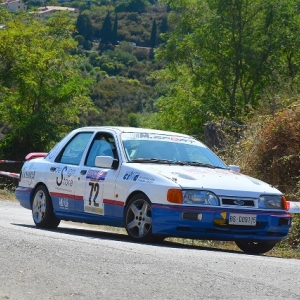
34, 190
134, 193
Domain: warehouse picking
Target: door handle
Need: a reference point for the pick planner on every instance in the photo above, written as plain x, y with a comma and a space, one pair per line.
82, 172
52, 169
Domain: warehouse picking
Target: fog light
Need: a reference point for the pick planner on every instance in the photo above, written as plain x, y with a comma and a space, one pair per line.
284, 221
219, 222
192, 216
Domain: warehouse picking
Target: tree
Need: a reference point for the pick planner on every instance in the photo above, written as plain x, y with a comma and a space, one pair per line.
153, 37
230, 52
139, 6
106, 31
119, 101
42, 92
163, 28
164, 25
84, 26
114, 37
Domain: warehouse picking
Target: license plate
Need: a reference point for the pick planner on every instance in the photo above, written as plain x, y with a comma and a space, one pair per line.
242, 219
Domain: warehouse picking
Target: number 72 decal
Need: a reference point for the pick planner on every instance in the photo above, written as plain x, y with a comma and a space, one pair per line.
92, 200
94, 192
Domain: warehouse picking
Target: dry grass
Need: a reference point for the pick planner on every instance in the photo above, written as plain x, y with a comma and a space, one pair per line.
280, 250
7, 195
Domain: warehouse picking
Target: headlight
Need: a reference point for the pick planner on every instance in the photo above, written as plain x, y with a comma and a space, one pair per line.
271, 201
200, 197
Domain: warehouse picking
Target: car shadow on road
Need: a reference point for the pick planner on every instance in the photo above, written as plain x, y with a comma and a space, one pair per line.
97, 233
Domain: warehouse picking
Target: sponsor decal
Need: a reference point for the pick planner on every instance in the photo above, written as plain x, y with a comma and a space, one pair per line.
132, 176
94, 210
28, 174
64, 178
74, 152
149, 136
63, 203
209, 171
137, 176
184, 176
96, 175
145, 179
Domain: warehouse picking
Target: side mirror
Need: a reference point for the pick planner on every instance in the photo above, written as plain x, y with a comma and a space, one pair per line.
235, 168
106, 162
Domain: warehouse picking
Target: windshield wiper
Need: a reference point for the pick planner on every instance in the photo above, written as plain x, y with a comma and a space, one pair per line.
152, 160
174, 162
199, 164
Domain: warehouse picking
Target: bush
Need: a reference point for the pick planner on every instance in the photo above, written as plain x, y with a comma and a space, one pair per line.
270, 150
275, 153
293, 239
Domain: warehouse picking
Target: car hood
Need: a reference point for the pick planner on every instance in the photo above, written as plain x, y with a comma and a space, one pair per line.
223, 181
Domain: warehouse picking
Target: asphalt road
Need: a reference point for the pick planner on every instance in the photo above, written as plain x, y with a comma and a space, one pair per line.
76, 262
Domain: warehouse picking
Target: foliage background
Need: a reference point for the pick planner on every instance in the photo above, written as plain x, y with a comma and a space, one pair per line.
175, 64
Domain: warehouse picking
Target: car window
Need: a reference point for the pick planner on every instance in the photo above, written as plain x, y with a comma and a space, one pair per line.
170, 150
73, 152
156, 149
103, 145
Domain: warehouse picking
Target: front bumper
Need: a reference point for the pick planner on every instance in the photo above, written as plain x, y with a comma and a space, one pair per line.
211, 223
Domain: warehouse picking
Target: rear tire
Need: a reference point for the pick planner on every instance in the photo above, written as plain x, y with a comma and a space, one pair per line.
255, 247
42, 209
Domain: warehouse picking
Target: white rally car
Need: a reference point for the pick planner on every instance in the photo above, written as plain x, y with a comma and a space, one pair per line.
154, 183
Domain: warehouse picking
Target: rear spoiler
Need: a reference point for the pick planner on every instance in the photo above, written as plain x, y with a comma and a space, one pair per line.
33, 155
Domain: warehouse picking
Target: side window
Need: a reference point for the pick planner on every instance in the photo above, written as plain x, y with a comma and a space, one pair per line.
103, 145
73, 152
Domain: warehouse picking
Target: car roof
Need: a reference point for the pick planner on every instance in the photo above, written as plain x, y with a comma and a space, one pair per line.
121, 129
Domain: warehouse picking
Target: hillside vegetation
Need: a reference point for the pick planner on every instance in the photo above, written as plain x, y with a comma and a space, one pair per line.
175, 64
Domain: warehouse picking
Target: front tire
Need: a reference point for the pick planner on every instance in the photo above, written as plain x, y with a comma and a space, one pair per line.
42, 209
255, 247
138, 218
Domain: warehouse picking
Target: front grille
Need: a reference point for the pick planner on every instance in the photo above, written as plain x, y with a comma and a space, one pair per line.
238, 202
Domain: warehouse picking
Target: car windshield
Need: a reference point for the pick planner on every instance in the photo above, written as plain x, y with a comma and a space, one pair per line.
163, 149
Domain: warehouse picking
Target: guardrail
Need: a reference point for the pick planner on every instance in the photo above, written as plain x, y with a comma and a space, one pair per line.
10, 173
293, 206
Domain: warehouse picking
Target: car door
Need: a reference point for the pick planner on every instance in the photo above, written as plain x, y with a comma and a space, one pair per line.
95, 184
63, 173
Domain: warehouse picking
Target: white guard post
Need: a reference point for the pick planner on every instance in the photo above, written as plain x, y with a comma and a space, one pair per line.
294, 207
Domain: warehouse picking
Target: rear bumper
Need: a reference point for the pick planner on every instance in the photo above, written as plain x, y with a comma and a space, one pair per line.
23, 195
212, 224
